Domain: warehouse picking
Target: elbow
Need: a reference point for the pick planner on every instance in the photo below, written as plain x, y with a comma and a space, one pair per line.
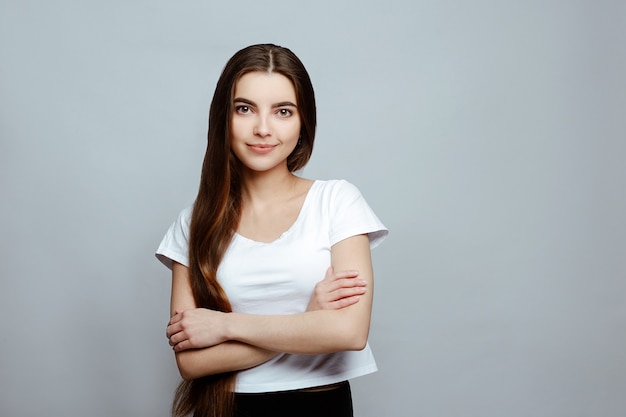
350, 333
357, 342
192, 366
361, 345
186, 375
185, 367
354, 338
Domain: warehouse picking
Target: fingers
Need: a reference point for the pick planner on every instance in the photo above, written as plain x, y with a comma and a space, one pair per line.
196, 328
179, 339
346, 292
184, 345
338, 284
175, 325
173, 333
337, 290
175, 329
331, 275
342, 303
345, 302
344, 287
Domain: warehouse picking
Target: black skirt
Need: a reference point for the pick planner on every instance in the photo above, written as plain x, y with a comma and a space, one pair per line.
335, 402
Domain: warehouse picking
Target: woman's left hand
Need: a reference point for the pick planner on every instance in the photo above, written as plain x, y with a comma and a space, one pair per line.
196, 328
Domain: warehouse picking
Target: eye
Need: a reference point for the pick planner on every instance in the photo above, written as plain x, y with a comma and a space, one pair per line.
285, 112
242, 109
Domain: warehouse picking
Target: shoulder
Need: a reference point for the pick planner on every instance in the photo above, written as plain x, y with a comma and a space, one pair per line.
337, 188
338, 196
183, 220
175, 243
348, 212
182, 223
185, 214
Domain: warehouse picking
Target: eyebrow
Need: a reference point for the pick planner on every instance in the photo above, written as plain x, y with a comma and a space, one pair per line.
275, 105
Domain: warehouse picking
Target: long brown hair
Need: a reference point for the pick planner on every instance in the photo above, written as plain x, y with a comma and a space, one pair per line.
217, 208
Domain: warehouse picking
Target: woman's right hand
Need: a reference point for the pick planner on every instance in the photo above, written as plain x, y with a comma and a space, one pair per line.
337, 290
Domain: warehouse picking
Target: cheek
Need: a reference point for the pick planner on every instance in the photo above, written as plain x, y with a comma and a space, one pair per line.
237, 129
297, 128
292, 135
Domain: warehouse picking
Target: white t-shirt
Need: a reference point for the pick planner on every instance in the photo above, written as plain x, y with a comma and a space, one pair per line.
279, 278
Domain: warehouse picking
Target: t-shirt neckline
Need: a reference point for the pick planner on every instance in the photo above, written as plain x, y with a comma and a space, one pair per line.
295, 223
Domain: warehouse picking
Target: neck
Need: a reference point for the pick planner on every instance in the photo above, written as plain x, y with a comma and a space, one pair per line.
266, 186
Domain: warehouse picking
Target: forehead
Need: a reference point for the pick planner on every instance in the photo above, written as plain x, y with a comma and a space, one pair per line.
261, 86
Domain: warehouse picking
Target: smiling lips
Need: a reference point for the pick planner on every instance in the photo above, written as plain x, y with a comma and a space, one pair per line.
261, 148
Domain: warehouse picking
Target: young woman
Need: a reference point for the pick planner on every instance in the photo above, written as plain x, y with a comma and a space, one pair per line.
272, 279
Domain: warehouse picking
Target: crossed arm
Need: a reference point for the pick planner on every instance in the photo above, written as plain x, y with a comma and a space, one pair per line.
338, 318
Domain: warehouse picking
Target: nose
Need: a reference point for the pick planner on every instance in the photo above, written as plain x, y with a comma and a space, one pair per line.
262, 127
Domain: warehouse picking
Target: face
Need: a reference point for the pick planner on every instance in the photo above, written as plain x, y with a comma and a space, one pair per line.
265, 124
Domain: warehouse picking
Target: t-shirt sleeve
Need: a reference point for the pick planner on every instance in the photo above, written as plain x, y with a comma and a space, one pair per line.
350, 215
175, 243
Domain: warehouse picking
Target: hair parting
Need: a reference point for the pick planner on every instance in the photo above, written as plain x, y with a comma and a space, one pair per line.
270, 68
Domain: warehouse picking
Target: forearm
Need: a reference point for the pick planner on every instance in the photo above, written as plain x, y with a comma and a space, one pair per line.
225, 357
321, 331
313, 332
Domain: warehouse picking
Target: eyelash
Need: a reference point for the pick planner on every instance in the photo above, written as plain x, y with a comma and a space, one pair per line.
284, 113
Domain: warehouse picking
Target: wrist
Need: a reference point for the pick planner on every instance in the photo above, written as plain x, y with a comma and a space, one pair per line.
230, 326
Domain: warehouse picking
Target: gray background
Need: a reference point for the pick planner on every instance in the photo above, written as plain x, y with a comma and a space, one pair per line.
487, 135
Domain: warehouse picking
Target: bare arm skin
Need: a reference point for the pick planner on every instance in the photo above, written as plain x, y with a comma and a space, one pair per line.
335, 291
195, 363
313, 332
